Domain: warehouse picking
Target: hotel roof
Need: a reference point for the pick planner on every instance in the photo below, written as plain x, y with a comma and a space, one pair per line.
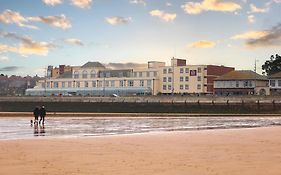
241, 75
92, 64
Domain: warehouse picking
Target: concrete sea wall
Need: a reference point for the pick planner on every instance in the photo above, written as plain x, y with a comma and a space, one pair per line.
163, 104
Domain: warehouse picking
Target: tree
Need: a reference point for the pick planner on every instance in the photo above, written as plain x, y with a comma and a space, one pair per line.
273, 65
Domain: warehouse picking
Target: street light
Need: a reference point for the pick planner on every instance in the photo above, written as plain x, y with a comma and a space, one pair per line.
153, 86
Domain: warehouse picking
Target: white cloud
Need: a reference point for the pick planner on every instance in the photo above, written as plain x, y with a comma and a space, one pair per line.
74, 41
115, 20
27, 45
210, 5
202, 44
168, 17
250, 35
251, 19
82, 3
169, 4
53, 2
4, 58
255, 9
55, 21
12, 17
138, 2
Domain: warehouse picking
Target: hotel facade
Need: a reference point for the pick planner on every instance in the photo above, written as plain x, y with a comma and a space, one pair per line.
94, 79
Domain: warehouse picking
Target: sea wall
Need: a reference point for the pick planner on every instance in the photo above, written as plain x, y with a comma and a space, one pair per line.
162, 104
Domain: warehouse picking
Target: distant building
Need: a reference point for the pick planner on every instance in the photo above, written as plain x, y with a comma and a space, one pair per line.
275, 83
241, 82
95, 79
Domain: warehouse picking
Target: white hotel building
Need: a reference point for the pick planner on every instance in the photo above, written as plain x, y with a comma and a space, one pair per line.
94, 79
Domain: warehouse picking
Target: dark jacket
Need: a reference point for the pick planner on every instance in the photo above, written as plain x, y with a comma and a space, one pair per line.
42, 112
36, 112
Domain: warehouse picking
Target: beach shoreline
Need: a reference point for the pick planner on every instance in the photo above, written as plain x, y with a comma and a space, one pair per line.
231, 151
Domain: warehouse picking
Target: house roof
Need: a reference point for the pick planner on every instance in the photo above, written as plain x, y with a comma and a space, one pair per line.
276, 75
241, 75
92, 64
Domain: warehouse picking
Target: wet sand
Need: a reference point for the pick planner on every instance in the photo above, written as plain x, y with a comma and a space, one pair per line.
232, 152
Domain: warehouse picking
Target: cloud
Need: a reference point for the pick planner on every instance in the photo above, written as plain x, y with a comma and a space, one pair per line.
251, 19
168, 17
4, 58
53, 2
168, 4
27, 46
271, 39
277, 1
115, 20
255, 9
10, 68
84, 4
11, 17
74, 41
55, 21
210, 5
138, 2
125, 66
202, 44
250, 35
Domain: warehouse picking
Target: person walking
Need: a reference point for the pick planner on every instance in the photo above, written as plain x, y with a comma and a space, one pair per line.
36, 113
42, 114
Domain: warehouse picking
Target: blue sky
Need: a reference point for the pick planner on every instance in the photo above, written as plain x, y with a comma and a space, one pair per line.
37, 33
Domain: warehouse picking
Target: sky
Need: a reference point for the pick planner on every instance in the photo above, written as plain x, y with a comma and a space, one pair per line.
38, 33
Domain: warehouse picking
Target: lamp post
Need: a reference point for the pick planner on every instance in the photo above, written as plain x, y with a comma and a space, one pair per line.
153, 86
104, 84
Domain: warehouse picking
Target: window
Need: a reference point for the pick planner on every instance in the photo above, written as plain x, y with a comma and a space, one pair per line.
78, 84
140, 74
63, 84
279, 83
181, 70
94, 83
199, 69
169, 87
106, 83
181, 79
154, 74
131, 83
112, 83
186, 70
169, 79
199, 78
237, 84
107, 74
93, 74
135, 74
164, 87
181, 87
69, 84
56, 84
170, 70
121, 83
245, 83
76, 74
86, 84
186, 78
164, 79
250, 84
147, 74
149, 83
99, 83
272, 83
198, 86
141, 83
186, 87
85, 74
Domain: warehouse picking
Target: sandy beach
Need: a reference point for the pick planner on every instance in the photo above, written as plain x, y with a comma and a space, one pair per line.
233, 152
